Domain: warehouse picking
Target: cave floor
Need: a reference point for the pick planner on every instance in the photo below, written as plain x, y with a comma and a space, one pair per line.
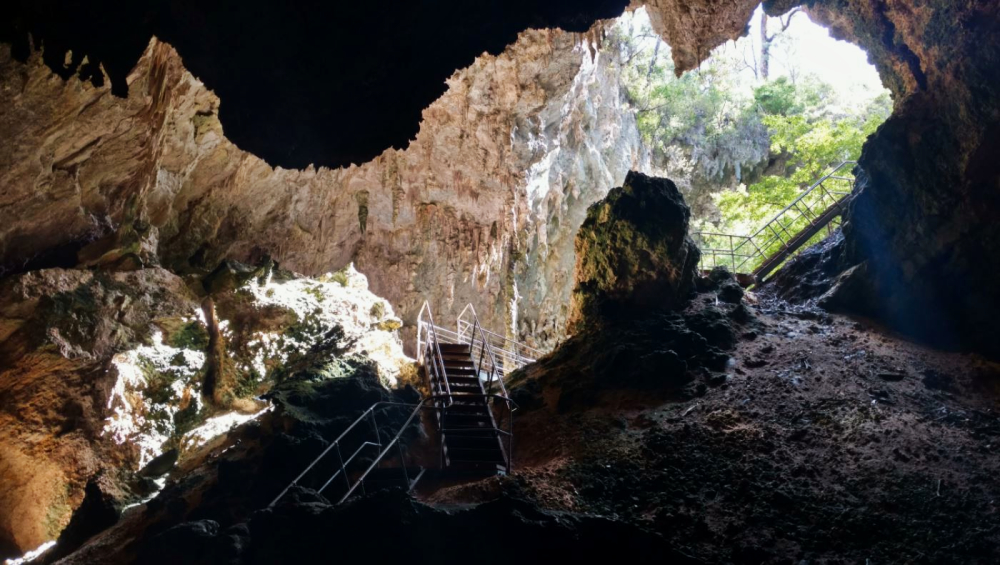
830, 441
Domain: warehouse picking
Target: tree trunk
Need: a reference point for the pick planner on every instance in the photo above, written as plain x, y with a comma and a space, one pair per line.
765, 48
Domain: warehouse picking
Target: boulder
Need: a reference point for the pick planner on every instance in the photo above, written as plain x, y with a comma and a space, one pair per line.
633, 253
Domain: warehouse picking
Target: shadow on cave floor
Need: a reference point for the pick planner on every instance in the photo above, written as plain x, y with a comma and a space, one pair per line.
829, 439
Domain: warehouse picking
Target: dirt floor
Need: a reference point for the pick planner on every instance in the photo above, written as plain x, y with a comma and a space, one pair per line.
828, 440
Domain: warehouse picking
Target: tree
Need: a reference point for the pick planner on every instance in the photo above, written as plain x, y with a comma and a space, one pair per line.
768, 39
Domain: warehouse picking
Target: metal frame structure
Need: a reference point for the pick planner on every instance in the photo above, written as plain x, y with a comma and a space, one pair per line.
744, 253
512, 355
429, 354
429, 338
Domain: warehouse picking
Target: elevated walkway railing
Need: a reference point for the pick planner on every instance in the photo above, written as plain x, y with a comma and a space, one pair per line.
489, 363
356, 446
789, 230
360, 449
509, 354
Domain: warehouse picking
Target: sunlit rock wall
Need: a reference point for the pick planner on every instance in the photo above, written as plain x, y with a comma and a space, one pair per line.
583, 144
438, 221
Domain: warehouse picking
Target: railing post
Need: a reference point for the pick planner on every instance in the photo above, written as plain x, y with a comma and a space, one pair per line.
402, 465
343, 470
378, 438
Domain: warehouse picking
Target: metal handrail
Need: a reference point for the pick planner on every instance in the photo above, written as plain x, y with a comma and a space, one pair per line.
740, 254
336, 444
501, 338
359, 482
432, 338
512, 356
485, 347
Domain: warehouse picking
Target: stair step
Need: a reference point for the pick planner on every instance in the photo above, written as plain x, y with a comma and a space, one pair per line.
465, 386
468, 389
474, 408
459, 371
475, 454
489, 467
456, 356
454, 348
467, 437
462, 378
460, 421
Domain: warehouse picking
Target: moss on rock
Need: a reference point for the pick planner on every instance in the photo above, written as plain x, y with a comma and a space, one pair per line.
633, 253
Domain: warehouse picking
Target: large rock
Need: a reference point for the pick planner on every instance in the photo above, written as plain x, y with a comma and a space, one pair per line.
633, 253
59, 331
923, 224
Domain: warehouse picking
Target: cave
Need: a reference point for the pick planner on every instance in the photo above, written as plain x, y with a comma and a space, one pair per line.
311, 280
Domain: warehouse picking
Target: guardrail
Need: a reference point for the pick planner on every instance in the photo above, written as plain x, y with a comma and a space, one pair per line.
510, 354
341, 469
765, 249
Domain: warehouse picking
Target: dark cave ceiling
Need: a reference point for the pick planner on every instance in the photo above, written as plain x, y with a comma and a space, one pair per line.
302, 82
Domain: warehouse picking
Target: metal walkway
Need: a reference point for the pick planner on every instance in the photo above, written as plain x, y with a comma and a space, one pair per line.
758, 255
468, 403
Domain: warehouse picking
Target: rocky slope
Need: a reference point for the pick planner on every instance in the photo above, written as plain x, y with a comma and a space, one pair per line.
103, 375
712, 426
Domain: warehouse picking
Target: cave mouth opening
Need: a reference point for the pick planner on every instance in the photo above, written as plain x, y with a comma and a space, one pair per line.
748, 133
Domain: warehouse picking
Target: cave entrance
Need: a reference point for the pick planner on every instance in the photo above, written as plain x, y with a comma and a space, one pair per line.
761, 139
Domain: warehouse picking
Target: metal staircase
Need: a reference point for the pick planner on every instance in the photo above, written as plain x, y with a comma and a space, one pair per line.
468, 403
466, 379
757, 255
510, 355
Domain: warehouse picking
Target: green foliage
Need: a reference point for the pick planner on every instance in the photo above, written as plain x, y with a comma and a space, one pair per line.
789, 130
809, 148
700, 111
340, 277
778, 98
192, 335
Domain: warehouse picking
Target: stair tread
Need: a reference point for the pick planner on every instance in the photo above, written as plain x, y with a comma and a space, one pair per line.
455, 442
479, 465
473, 453
468, 409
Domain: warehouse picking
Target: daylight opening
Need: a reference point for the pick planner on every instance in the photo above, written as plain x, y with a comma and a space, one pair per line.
761, 138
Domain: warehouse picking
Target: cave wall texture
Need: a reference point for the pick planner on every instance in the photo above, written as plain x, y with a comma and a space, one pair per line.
472, 181
519, 144
437, 221
924, 224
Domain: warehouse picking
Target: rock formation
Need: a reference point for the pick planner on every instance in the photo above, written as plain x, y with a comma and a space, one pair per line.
61, 329
126, 184
120, 191
633, 253
923, 221
499, 163
101, 372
